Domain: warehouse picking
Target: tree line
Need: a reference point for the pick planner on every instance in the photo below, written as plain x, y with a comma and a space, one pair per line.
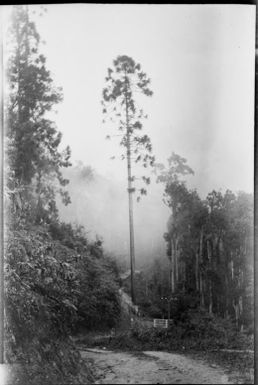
209, 250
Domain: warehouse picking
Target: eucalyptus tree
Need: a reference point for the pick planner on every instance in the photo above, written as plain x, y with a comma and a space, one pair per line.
175, 195
229, 244
124, 84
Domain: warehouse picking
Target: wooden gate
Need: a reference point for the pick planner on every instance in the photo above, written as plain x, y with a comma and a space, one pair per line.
160, 323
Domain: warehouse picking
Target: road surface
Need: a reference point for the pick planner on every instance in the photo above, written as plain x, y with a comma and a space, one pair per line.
151, 367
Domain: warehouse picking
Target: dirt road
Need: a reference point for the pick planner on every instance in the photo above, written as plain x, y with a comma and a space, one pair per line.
151, 367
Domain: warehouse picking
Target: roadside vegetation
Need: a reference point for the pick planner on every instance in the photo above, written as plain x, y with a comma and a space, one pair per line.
56, 280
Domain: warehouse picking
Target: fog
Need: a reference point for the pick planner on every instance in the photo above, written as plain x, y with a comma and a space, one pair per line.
200, 59
100, 204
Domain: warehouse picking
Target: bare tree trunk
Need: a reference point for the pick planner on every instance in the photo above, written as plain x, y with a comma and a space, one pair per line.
197, 285
210, 282
172, 266
210, 297
241, 313
226, 313
201, 288
146, 289
176, 262
236, 308
232, 267
183, 274
172, 278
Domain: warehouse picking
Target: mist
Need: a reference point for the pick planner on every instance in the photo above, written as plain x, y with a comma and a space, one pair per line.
100, 204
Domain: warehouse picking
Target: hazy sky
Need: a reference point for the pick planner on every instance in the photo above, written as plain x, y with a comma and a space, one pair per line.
200, 59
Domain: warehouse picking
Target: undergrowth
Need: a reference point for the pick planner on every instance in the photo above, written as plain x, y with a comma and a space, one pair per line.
51, 288
199, 331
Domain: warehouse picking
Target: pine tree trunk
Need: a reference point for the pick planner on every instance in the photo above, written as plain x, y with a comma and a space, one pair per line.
130, 199
172, 282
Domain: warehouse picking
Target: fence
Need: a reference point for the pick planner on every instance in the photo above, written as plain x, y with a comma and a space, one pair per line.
160, 323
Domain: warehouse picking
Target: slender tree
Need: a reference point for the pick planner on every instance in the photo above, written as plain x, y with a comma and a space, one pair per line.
120, 104
175, 197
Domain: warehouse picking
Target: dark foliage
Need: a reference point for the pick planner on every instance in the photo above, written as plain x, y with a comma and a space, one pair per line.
199, 331
55, 279
52, 291
209, 248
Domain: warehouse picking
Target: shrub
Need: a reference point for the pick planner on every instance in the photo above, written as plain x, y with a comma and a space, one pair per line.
50, 288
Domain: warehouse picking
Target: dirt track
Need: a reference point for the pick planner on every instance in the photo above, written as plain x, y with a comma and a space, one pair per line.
152, 367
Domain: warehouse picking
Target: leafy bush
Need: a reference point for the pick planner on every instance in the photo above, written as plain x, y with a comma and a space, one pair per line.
99, 300
51, 289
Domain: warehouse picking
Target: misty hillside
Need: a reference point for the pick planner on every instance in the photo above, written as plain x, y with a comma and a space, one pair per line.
101, 206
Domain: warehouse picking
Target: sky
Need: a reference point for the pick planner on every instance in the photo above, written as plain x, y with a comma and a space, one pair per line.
201, 61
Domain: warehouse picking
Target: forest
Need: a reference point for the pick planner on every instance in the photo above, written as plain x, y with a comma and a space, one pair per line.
209, 250
58, 282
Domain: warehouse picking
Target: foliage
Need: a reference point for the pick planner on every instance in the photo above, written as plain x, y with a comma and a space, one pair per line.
198, 331
51, 290
99, 304
209, 245
55, 279
177, 166
125, 80
33, 151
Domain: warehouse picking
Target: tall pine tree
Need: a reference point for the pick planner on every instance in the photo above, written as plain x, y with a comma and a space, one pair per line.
119, 102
